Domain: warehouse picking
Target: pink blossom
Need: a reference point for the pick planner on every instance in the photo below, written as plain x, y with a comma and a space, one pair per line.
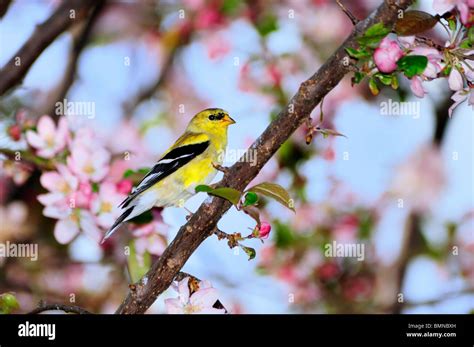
328, 271
61, 185
49, 139
69, 226
274, 74
416, 86
124, 186
460, 96
105, 204
387, 54
345, 230
263, 231
463, 6
19, 172
14, 131
82, 197
434, 60
200, 301
194, 4
208, 17
89, 163
455, 80
217, 46
150, 238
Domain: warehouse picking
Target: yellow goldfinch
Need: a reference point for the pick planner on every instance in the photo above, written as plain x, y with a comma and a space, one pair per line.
187, 163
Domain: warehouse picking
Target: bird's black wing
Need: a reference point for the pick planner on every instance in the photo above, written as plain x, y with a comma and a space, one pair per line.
171, 162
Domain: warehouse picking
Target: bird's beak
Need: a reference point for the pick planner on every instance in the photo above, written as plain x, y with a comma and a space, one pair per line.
228, 119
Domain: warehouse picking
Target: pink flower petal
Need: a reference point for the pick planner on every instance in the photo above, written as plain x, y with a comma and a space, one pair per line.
50, 198
89, 226
204, 297
211, 310
173, 306
34, 139
183, 290
46, 153
46, 127
455, 80
417, 87
50, 180
65, 230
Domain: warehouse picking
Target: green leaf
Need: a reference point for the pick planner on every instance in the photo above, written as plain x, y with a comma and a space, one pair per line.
330, 132
144, 218
95, 187
465, 44
141, 171
267, 24
470, 35
385, 79
8, 303
138, 266
412, 65
374, 89
358, 77
414, 22
229, 7
357, 53
231, 194
250, 252
203, 188
250, 199
394, 83
452, 24
373, 35
253, 212
284, 237
276, 192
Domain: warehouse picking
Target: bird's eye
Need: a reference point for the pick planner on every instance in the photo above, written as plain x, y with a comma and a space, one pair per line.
212, 117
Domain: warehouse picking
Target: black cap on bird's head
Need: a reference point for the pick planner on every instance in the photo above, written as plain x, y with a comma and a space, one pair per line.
211, 118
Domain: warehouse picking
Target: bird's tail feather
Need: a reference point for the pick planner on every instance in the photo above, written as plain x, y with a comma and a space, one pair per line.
118, 222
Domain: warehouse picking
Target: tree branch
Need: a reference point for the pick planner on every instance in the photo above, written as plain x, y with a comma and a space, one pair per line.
4, 4
42, 306
203, 222
348, 13
80, 39
16, 68
147, 92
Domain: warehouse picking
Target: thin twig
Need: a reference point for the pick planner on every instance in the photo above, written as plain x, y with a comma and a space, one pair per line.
348, 13
16, 68
80, 40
